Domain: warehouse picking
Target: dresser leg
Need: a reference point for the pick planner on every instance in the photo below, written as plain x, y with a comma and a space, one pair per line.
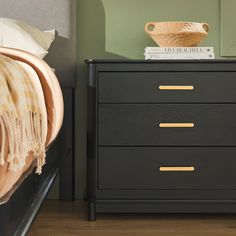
91, 211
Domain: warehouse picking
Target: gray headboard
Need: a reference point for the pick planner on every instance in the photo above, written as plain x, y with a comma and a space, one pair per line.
50, 14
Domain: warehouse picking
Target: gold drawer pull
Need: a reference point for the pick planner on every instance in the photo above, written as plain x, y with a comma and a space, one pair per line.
179, 168
176, 87
176, 125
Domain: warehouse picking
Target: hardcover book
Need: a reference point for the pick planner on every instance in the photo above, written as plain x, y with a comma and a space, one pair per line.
180, 56
155, 53
179, 50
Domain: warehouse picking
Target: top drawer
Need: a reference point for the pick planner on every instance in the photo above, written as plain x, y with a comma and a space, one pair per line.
167, 87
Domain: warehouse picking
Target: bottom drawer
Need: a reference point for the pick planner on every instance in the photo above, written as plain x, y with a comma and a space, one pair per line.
167, 168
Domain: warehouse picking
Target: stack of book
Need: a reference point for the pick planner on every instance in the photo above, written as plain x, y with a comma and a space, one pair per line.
158, 53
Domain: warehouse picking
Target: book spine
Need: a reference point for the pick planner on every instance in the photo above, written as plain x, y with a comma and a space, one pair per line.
179, 50
180, 56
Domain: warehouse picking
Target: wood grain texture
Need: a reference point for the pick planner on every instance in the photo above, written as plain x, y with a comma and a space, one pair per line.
138, 124
152, 86
133, 168
70, 218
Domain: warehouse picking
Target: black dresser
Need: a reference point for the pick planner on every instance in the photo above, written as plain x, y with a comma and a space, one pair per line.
161, 136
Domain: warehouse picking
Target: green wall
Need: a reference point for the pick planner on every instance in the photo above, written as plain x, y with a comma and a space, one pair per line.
125, 20
114, 29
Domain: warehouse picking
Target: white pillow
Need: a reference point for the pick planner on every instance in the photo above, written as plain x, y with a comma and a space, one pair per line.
17, 34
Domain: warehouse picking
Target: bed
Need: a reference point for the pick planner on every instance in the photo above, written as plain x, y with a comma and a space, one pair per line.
17, 214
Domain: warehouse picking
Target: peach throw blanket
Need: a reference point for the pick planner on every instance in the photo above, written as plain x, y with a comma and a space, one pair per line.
22, 125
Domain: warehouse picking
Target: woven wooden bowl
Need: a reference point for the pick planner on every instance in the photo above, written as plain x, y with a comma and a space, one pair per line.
177, 34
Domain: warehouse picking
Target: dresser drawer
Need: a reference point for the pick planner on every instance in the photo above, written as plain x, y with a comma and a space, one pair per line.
143, 168
167, 87
150, 125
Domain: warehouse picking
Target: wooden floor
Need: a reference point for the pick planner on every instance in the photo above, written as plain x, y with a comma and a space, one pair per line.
59, 219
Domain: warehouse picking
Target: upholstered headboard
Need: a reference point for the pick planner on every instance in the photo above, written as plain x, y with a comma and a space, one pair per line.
50, 14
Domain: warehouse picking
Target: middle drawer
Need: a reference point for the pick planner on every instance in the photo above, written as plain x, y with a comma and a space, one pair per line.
167, 125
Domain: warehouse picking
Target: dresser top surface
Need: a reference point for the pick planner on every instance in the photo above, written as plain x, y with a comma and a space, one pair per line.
139, 61
118, 65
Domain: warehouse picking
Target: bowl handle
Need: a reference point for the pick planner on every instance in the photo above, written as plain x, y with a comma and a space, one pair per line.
152, 24
206, 27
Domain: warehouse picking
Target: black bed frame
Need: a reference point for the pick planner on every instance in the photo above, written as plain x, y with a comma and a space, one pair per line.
17, 215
